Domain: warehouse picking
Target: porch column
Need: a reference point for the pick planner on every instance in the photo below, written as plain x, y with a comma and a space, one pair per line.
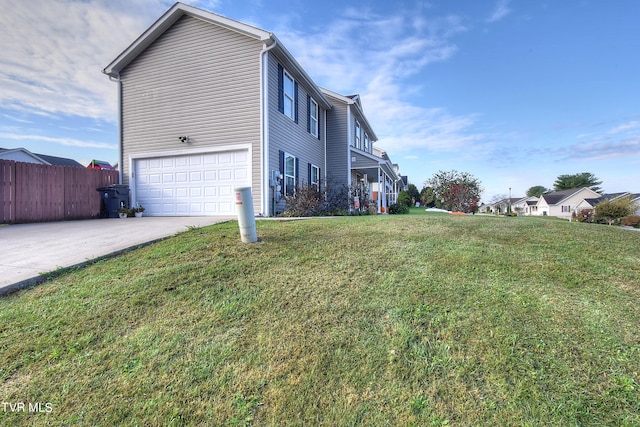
380, 190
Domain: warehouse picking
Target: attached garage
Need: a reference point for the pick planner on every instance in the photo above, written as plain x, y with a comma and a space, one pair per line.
200, 184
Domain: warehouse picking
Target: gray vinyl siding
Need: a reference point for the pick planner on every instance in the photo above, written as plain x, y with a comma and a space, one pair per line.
290, 137
197, 79
337, 143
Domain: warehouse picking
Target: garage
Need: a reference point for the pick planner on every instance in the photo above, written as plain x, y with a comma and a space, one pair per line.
190, 185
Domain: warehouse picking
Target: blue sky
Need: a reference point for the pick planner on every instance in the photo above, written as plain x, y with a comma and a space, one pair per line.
515, 92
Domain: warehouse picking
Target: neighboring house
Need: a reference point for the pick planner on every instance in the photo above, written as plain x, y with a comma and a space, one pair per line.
26, 156
636, 199
352, 158
590, 203
207, 104
563, 204
389, 182
525, 205
502, 206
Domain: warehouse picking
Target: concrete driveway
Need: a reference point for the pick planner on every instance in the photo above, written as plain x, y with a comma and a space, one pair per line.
29, 250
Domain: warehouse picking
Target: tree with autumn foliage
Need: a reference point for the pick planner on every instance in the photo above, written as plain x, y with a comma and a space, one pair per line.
458, 191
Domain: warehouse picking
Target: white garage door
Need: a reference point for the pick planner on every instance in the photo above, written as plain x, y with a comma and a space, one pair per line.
191, 185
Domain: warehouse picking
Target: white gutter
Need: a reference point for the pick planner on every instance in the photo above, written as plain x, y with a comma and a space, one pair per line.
264, 125
117, 79
325, 149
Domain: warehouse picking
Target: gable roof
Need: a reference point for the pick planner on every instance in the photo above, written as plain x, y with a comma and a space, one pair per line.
178, 10
353, 100
556, 197
59, 161
44, 159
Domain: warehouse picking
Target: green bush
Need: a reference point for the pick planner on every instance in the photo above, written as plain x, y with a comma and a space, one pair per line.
398, 209
404, 198
611, 211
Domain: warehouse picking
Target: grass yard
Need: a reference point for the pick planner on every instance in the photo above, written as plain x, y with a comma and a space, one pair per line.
382, 320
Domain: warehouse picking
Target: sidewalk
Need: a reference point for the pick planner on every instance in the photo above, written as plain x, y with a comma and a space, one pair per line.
27, 251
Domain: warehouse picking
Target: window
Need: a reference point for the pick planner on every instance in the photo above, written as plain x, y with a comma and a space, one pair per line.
314, 175
356, 140
566, 209
289, 174
366, 143
313, 116
287, 94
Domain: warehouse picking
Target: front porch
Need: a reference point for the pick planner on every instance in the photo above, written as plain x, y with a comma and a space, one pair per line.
373, 180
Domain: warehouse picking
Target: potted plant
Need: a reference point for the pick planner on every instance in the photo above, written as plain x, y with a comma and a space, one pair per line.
137, 211
123, 212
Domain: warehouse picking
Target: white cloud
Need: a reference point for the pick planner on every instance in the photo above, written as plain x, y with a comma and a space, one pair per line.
604, 148
69, 142
374, 55
625, 127
52, 53
501, 10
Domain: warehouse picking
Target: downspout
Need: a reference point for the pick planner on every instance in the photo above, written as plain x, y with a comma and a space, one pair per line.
325, 149
349, 136
264, 125
117, 79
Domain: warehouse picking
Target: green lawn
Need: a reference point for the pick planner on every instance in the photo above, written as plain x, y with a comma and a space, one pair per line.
375, 320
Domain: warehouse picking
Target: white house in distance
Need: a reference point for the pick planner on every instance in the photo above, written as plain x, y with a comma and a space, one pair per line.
26, 156
590, 204
207, 103
562, 204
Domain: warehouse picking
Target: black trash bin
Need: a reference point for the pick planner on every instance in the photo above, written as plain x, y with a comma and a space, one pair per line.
113, 198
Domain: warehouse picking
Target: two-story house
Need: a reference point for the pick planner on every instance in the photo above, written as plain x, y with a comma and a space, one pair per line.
206, 104
352, 157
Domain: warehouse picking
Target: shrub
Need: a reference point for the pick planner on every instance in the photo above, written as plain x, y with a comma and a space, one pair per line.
398, 208
306, 201
631, 221
585, 215
610, 211
404, 198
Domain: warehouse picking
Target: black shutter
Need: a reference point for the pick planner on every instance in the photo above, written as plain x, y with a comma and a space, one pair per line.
319, 121
310, 173
297, 170
283, 180
308, 114
295, 100
319, 179
280, 88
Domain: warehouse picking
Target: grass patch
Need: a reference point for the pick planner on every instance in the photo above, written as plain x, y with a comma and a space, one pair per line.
383, 320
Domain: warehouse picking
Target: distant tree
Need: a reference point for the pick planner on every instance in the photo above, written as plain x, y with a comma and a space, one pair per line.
458, 191
537, 191
428, 198
578, 180
403, 198
414, 194
610, 211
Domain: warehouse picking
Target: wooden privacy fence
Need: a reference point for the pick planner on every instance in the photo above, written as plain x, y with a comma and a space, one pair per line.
38, 193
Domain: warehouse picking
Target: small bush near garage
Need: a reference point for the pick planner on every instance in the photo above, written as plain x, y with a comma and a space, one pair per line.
309, 201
